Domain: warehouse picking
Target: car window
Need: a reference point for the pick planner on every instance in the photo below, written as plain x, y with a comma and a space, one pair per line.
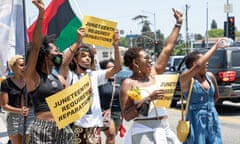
235, 58
218, 60
177, 62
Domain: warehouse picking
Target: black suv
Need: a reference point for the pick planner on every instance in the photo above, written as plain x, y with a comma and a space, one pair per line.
225, 65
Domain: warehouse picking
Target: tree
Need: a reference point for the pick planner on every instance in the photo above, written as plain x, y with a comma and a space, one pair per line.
125, 42
215, 33
146, 39
214, 24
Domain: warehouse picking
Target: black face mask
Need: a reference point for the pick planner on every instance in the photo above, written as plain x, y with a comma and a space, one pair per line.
57, 60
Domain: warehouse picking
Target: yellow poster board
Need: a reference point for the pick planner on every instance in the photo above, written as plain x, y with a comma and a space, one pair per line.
98, 31
72, 103
1, 79
166, 82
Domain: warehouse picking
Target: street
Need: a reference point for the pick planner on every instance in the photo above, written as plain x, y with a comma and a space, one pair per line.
229, 116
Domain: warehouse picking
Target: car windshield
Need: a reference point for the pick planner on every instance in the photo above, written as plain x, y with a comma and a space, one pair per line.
218, 60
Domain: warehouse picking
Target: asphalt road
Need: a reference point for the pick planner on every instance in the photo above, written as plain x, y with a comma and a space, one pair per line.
229, 116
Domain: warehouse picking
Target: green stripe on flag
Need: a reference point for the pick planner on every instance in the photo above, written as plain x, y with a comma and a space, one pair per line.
68, 35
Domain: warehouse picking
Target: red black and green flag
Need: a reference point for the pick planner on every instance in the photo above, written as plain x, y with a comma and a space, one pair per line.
59, 19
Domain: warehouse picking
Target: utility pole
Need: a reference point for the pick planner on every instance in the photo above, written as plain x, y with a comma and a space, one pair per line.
155, 33
187, 37
206, 43
227, 13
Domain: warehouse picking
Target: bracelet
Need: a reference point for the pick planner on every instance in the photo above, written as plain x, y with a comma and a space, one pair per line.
178, 25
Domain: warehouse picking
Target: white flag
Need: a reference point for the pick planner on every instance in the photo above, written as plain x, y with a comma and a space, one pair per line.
11, 32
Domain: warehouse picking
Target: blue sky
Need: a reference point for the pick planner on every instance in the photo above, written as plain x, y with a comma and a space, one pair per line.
122, 12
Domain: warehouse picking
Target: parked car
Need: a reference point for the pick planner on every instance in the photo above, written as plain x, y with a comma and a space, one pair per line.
173, 62
225, 65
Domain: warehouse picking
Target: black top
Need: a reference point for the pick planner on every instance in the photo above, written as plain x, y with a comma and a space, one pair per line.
14, 92
105, 92
49, 85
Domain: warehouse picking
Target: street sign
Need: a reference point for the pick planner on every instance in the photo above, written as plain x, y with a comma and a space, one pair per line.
228, 8
131, 35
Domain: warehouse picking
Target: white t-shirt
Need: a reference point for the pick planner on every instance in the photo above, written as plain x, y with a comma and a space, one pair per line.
94, 117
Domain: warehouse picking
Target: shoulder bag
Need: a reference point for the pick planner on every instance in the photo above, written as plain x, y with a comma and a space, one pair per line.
106, 114
183, 127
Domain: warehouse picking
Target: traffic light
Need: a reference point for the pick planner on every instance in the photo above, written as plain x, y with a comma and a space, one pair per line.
156, 43
231, 27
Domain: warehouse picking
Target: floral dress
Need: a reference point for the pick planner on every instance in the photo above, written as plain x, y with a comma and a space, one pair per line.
205, 127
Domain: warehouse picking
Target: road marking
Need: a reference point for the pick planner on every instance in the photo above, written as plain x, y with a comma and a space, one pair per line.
230, 119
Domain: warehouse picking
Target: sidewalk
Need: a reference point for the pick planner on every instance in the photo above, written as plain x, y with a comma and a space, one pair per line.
3, 129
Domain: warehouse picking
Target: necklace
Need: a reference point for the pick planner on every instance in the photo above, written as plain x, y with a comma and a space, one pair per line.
142, 79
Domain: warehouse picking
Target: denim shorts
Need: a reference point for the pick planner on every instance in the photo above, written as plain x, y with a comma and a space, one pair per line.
15, 123
116, 117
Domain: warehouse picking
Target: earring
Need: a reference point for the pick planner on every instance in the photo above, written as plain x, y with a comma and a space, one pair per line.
138, 68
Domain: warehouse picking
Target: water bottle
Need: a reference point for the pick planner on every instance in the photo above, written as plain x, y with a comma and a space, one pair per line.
226, 43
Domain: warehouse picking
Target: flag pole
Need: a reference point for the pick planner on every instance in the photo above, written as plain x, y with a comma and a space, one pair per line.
25, 50
25, 27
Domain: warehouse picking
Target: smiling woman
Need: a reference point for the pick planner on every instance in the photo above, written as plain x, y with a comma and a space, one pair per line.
149, 122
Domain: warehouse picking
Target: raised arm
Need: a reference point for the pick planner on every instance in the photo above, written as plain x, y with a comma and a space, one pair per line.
30, 69
187, 75
169, 44
117, 65
68, 55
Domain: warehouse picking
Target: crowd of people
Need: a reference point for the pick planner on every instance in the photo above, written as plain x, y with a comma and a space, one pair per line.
29, 117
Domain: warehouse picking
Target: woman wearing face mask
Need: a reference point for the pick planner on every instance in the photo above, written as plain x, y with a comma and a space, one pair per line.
41, 83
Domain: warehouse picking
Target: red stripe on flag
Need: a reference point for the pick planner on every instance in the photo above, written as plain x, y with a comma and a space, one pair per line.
50, 12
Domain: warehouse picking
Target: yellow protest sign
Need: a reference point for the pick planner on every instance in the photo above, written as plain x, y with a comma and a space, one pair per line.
167, 82
98, 31
72, 103
1, 79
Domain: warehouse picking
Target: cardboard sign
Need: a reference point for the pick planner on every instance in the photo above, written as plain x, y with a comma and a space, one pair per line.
72, 103
166, 82
98, 31
1, 79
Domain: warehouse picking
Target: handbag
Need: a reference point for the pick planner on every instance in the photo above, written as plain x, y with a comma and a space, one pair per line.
183, 126
106, 114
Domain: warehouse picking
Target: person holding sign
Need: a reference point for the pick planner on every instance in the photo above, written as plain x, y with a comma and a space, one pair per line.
41, 83
202, 114
13, 96
139, 93
86, 129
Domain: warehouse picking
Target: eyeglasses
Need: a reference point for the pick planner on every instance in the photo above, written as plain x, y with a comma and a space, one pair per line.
84, 49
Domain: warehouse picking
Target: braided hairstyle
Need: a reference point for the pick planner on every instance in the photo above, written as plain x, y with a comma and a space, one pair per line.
44, 50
